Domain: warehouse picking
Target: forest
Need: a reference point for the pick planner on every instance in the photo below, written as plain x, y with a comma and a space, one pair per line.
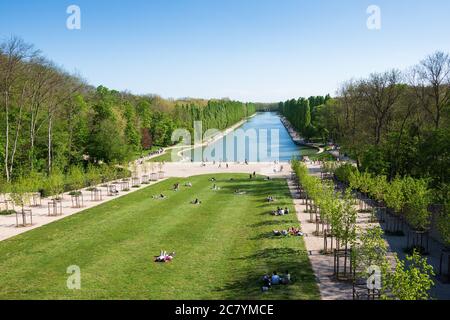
53, 120
393, 123
303, 115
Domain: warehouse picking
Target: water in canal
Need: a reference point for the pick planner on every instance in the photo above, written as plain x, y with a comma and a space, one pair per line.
263, 138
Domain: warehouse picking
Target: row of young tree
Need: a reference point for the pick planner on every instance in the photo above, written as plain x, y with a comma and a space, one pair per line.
408, 198
51, 119
216, 114
302, 114
396, 122
410, 280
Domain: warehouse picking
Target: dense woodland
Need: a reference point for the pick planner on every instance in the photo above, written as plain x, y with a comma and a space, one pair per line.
51, 119
395, 123
303, 115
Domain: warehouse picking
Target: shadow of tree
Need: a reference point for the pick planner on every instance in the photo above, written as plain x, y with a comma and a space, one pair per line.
248, 285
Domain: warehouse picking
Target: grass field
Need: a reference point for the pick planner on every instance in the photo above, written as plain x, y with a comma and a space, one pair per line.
223, 247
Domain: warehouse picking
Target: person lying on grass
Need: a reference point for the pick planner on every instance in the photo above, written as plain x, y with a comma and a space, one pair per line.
293, 231
280, 233
188, 184
196, 201
239, 192
160, 196
164, 257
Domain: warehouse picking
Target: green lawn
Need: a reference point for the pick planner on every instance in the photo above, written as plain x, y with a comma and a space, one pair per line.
223, 247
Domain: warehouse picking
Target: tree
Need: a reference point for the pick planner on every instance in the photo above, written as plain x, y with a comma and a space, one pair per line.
444, 226
417, 201
55, 183
76, 178
411, 280
431, 81
370, 251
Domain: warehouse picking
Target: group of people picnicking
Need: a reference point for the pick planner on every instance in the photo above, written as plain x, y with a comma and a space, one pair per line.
280, 211
292, 231
275, 279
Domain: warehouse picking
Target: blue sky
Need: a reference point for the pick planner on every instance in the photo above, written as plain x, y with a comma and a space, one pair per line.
250, 50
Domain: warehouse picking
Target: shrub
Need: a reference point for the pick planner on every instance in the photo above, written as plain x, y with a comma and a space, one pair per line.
75, 179
411, 280
417, 200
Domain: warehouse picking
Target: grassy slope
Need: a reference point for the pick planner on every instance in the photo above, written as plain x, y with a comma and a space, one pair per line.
223, 247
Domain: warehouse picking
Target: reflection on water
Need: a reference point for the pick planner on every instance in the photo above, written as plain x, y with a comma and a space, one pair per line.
263, 138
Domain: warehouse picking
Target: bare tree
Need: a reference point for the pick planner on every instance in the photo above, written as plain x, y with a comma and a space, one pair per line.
381, 92
431, 83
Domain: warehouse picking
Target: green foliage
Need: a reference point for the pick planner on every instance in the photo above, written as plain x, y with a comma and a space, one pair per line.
75, 179
411, 280
395, 197
301, 114
344, 171
55, 183
378, 188
370, 250
443, 223
417, 198
21, 191
93, 175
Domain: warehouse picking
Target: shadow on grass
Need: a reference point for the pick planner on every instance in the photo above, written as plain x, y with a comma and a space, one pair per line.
267, 223
248, 285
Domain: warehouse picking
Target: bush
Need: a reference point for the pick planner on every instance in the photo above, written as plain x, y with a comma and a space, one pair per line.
444, 225
417, 200
54, 184
411, 280
75, 179
344, 172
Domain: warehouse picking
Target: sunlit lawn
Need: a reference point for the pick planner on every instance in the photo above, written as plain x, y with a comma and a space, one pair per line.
223, 247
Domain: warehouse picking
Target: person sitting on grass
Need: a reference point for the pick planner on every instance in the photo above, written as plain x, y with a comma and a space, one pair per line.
275, 278
269, 199
286, 278
212, 179
196, 201
266, 283
176, 187
286, 210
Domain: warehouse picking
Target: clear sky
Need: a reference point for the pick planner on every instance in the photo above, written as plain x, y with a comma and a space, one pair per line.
250, 50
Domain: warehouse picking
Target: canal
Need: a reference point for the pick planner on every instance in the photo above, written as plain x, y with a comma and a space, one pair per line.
262, 138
